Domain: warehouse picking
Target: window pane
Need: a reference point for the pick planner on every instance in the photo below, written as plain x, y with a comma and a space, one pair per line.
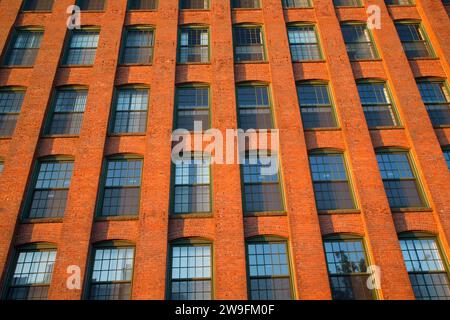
377, 106
122, 188
91, 4
37, 5
398, 2
82, 48
2, 165
447, 158
10, 106
331, 186
68, 112
347, 268
303, 43
50, 190
358, 41
192, 106
24, 48
315, 106
249, 4
254, 107
191, 272
138, 47
194, 4
32, 275
194, 45
426, 268
142, 4
112, 273
268, 269
131, 111
437, 101
262, 190
413, 41
296, 4
192, 186
399, 180
249, 44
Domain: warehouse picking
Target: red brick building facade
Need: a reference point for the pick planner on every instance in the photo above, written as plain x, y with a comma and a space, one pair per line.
227, 227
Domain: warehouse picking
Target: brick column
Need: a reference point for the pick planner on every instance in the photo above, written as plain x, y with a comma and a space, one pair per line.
305, 238
151, 249
26, 135
437, 24
229, 245
74, 243
9, 10
381, 237
425, 147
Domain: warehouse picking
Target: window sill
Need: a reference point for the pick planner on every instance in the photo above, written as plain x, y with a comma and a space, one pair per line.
194, 215
442, 126
41, 220
118, 218
246, 9
323, 129
194, 10
92, 11
340, 211
251, 62
16, 67
66, 66
423, 58
418, 209
124, 65
35, 11
367, 60
142, 10
193, 63
387, 128
400, 5
297, 8
309, 61
118, 135
265, 214
6, 138
56, 136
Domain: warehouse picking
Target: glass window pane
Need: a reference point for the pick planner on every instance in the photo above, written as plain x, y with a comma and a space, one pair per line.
248, 44
192, 106
377, 105
437, 101
138, 48
358, 41
296, 4
142, 4
254, 107
95, 5
130, 111
37, 5
191, 272
246, 4
315, 106
24, 48
10, 106
82, 48
413, 40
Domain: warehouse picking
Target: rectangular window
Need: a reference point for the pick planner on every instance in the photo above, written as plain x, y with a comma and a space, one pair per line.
358, 41
10, 106
23, 48
192, 107
246, 4
37, 5
254, 107
347, 269
262, 190
400, 182
296, 4
437, 101
377, 105
2, 165
315, 106
398, 2
268, 270
191, 272
82, 47
447, 157
249, 44
138, 46
68, 109
91, 5
194, 45
192, 192
413, 40
122, 191
142, 4
50, 189
194, 4
331, 184
426, 268
303, 43
112, 273
130, 111
346, 3
32, 275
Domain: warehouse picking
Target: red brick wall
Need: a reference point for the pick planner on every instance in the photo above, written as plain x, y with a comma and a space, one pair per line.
226, 227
